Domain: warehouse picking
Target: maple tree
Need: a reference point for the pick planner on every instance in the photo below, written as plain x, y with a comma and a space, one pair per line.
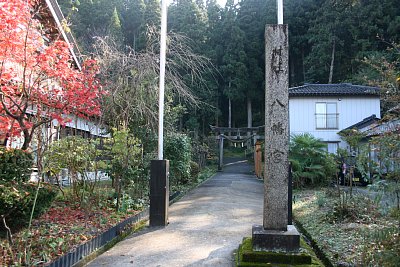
39, 82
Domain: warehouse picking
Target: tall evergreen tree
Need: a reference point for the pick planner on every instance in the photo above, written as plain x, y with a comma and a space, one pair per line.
115, 29
190, 19
133, 21
330, 59
233, 67
251, 20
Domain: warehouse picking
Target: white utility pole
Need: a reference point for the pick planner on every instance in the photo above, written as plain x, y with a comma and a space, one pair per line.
163, 48
280, 11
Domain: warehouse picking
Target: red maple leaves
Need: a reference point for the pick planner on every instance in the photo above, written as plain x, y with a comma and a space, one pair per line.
38, 81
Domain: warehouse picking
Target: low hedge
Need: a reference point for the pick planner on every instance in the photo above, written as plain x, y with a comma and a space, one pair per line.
16, 202
15, 165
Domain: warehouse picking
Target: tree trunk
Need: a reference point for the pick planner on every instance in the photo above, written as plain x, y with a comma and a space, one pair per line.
230, 114
332, 61
292, 72
230, 111
39, 154
304, 68
249, 113
249, 121
27, 139
203, 122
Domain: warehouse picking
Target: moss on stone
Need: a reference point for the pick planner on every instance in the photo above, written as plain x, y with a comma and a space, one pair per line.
247, 257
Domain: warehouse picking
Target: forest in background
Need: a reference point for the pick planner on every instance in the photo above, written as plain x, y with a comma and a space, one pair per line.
331, 41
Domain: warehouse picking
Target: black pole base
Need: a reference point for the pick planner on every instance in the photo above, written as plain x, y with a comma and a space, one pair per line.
159, 192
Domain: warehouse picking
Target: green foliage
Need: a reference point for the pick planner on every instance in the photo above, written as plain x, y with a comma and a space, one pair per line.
358, 235
356, 208
352, 137
15, 165
177, 149
125, 152
317, 167
206, 173
387, 147
365, 165
16, 202
381, 69
129, 203
73, 153
324, 35
194, 170
115, 27
320, 199
248, 257
125, 165
382, 247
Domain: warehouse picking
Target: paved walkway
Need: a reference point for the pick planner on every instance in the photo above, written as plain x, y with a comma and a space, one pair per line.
206, 225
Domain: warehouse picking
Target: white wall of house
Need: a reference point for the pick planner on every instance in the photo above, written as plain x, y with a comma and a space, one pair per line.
50, 133
350, 110
84, 125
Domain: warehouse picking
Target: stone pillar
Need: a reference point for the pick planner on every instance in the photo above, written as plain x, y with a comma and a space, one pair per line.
275, 234
276, 128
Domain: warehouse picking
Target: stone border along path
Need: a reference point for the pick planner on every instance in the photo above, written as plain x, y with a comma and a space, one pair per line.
206, 225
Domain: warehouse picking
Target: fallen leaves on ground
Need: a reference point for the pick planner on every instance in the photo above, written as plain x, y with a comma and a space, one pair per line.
63, 227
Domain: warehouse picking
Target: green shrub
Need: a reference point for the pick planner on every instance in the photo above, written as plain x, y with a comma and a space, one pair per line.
15, 165
311, 163
321, 199
194, 170
382, 247
178, 151
16, 202
76, 154
356, 208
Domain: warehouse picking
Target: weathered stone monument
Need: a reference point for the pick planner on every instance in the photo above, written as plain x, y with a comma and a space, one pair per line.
275, 234
276, 241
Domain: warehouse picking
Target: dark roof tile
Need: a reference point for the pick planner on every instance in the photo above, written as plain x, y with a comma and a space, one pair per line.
340, 89
364, 123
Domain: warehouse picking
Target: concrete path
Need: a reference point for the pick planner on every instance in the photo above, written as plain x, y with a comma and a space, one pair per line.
206, 225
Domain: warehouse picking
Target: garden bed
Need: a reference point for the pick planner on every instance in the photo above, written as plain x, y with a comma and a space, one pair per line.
349, 231
67, 225
62, 228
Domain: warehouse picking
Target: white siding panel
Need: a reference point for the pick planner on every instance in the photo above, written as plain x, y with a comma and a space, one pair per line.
350, 109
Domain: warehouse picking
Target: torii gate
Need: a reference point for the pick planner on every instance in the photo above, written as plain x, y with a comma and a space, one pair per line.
236, 135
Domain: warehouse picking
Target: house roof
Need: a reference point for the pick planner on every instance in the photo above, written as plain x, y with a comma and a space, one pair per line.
392, 126
55, 15
371, 120
340, 89
395, 109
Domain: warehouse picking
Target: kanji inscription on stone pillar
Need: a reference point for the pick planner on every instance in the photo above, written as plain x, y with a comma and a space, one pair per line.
276, 128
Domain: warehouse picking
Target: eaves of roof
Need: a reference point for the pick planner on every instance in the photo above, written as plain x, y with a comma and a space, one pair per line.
67, 36
364, 123
340, 89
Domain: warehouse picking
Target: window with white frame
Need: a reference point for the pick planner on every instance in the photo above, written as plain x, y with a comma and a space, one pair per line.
326, 116
333, 147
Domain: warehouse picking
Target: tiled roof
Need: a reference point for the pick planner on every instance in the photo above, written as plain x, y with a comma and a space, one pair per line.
340, 89
392, 126
364, 123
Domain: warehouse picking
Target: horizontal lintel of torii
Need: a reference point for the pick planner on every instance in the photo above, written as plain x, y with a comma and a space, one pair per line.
236, 130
